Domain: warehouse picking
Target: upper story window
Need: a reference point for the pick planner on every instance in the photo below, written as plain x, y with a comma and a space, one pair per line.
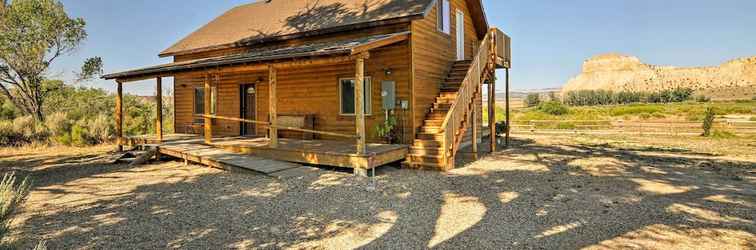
444, 16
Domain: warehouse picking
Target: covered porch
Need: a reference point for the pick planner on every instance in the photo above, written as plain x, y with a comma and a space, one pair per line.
342, 147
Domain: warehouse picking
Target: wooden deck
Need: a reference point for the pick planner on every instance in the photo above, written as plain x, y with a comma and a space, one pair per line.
316, 152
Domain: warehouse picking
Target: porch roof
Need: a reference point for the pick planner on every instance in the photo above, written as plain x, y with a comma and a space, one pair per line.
340, 47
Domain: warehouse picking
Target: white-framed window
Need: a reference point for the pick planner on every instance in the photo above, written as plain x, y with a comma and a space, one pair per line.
199, 100
444, 16
346, 96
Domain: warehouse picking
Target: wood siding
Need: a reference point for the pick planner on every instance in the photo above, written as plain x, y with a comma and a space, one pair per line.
310, 90
433, 52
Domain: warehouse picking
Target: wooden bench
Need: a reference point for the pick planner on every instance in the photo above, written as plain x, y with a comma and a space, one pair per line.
303, 121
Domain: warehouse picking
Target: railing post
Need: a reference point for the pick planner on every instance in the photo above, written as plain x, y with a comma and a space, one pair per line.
119, 116
159, 109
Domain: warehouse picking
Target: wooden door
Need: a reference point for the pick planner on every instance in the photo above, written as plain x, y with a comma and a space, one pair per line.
248, 109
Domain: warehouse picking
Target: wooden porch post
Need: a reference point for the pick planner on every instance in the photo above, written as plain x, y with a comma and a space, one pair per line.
475, 125
359, 103
509, 122
208, 121
119, 116
492, 110
159, 109
272, 106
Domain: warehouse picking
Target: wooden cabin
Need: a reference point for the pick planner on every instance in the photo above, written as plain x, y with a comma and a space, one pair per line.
332, 71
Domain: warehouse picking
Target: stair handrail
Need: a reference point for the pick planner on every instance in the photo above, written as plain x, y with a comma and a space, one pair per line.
464, 98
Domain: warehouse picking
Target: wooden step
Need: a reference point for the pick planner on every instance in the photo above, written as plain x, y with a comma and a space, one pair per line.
430, 136
422, 166
425, 143
425, 150
433, 159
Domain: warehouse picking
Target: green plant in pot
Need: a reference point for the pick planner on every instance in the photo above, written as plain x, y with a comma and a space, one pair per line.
387, 130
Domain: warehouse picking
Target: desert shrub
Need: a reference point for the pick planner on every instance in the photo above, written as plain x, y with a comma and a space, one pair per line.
753, 119
702, 98
552, 108
101, 128
532, 100
753, 98
58, 124
8, 111
708, 121
12, 194
79, 135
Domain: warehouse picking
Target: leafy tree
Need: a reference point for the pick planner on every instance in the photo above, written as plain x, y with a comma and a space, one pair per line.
533, 99
33, 34
553, 108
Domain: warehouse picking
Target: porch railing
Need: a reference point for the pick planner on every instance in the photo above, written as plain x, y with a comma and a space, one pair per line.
453, 127
270, 125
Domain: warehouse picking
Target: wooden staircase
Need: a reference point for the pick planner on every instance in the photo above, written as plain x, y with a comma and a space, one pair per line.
426, 152
438, 139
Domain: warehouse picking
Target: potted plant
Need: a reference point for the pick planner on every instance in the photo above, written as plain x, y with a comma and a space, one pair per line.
387, 130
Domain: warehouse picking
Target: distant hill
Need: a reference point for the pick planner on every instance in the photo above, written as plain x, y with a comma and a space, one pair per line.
735, 79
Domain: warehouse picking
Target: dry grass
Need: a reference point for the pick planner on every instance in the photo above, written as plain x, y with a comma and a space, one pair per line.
547, 192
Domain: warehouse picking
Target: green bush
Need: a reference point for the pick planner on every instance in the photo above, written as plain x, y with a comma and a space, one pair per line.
553, 108
753, 119
532, 100
58, 124
12, 194
79, 135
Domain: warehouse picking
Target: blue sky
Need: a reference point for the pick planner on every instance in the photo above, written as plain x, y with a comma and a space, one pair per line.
551, 38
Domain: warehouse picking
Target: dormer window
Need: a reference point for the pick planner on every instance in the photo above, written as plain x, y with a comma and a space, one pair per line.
444, 16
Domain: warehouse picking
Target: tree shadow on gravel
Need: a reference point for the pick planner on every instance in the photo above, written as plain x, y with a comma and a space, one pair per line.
530, 196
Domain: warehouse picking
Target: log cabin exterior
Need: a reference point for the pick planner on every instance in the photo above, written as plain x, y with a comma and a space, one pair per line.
335, 70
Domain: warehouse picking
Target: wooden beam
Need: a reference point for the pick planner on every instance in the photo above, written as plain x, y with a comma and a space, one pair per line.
359, 103
509, 122
251, 67
119, 116
273, 106
159, 109
208, 121
381, 42
492, 110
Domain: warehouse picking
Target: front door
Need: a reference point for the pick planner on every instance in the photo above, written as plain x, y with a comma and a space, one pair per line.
460, 35
248, 109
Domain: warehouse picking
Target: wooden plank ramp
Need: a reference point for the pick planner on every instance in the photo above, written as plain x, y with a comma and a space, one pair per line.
223, 159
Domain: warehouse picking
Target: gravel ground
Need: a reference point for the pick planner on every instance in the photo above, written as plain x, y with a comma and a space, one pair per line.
545, 192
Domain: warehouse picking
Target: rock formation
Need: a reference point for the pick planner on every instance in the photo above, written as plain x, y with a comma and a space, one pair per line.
731, 80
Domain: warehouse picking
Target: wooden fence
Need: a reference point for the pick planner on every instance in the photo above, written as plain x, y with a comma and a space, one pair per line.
740, 128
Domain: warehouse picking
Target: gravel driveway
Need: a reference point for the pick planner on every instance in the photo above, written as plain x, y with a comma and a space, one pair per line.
544, 193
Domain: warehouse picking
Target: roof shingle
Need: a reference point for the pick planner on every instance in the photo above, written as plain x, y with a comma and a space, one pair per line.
264, 20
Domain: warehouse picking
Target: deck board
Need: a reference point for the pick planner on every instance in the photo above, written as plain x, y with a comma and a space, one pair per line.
219, 157
316, 152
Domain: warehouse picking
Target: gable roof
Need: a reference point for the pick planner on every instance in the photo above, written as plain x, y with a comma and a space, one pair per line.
266, 20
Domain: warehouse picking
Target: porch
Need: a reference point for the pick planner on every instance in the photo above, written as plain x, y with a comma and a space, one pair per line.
314, 152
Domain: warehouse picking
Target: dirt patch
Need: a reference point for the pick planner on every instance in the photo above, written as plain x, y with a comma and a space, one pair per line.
545, 192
